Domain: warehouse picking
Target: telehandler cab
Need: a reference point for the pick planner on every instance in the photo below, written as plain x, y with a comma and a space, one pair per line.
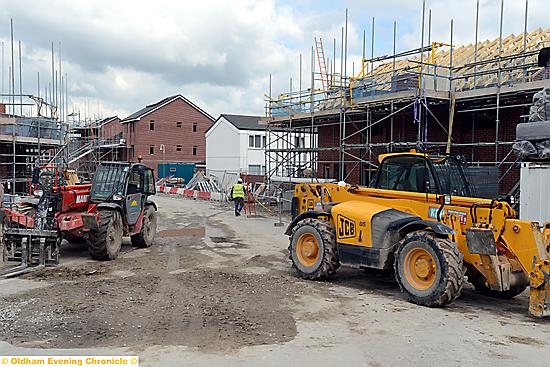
418, 217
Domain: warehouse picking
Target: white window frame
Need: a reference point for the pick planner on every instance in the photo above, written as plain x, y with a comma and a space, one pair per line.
256, 141
255, 169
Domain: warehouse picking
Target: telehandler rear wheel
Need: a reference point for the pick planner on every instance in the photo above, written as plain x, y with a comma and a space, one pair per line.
105, 243
313, 249
429, 269
148, 228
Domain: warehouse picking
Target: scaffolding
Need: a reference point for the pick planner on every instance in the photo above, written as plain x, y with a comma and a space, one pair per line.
438, 97
27, 140
91, 142
33, 131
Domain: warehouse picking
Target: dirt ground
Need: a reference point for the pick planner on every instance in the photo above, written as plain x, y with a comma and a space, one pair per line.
217, 289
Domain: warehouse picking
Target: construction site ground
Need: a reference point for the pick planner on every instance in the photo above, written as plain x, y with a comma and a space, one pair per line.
219, 290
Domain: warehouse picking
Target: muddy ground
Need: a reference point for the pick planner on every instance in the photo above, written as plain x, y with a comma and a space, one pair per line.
216, 289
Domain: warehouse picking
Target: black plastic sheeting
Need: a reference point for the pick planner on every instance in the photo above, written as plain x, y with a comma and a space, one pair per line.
539, 130
540, 110
533, 137
544, 57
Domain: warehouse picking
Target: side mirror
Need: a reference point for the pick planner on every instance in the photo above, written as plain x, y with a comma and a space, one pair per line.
118, 197
444, 199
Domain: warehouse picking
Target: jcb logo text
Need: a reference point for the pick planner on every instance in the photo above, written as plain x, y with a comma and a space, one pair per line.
346, 227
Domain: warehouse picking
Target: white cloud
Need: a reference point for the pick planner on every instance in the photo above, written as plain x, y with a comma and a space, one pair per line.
122, 55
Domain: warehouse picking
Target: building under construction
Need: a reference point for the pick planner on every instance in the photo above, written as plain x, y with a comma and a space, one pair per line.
28, 140
40, 139
441, 98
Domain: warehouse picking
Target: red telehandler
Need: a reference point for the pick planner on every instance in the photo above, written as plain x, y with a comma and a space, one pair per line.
114, 205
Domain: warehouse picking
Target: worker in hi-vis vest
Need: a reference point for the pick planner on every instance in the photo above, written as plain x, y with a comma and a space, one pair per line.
237, 195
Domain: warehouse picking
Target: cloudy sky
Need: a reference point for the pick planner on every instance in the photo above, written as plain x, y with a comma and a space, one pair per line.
121, 55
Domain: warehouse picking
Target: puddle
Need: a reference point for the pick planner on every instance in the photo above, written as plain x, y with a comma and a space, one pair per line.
195, 231
190, 231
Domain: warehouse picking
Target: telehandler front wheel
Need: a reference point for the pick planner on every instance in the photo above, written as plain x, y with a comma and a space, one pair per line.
105, 242
429, 269
146, 235
313, 249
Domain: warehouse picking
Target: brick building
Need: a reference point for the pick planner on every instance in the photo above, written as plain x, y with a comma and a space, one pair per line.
111, 129
170, 130
112, 141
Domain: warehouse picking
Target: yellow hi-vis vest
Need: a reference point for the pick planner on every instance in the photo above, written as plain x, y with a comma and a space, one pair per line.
238, 190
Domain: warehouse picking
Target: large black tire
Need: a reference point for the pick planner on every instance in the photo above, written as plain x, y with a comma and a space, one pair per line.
479, 285
313, 250
146, 236
105, 243
429, 269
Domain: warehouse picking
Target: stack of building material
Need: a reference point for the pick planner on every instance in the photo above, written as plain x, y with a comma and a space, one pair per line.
533, 137
224, 179
161, 181
201, 182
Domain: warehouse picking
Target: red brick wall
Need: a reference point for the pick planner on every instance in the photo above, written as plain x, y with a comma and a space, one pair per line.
167, 132
112, 128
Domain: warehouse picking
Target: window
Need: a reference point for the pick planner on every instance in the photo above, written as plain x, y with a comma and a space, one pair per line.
132, 151
178, 148
178, 124
151, 149
151, 125
451, 177
256, 141
106, 181
194, 150
405, 174
194, 127
149, 182
132, 127
254, 169
134, 182
299, 142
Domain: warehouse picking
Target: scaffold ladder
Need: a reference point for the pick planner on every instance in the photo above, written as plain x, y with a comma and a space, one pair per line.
322, 62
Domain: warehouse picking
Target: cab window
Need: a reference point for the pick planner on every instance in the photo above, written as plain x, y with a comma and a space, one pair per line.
405, 173
149, 182
134, 183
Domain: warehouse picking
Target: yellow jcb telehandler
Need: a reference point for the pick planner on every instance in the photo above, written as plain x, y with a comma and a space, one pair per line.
418, 217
